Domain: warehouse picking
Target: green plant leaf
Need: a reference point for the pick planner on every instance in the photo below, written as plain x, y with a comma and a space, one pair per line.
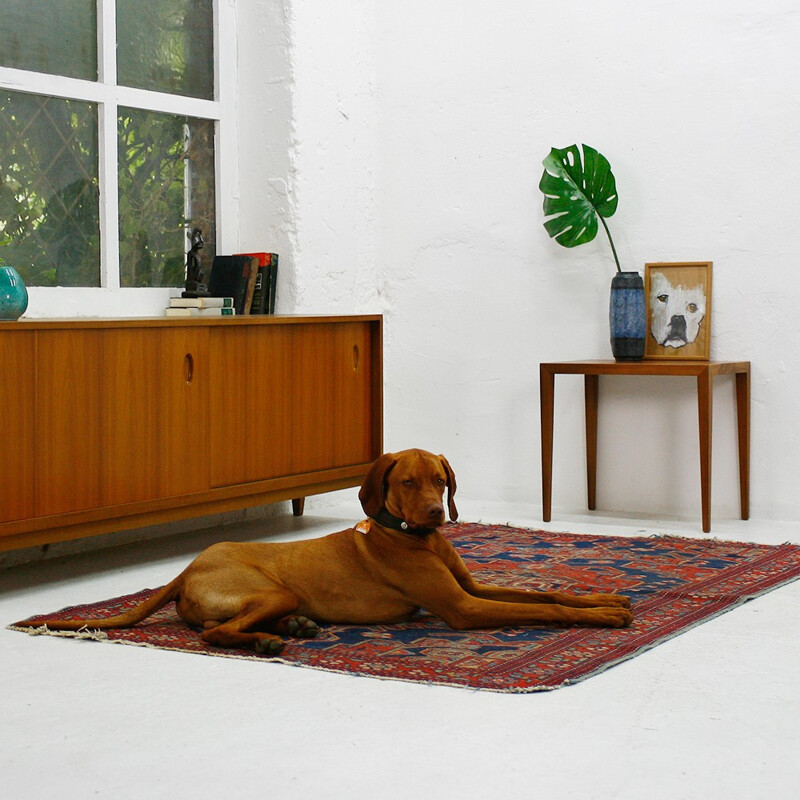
575, 191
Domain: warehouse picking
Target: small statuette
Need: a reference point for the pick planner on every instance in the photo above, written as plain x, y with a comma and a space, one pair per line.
194, 269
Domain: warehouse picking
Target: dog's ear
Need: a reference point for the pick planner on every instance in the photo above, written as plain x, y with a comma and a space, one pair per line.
451, 488
373, 490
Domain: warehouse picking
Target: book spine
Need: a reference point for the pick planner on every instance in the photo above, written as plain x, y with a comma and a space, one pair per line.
257, 306
201, 302
273, 282
251, 285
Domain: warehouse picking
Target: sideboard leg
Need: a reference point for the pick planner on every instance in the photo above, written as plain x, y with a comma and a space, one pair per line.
298, 506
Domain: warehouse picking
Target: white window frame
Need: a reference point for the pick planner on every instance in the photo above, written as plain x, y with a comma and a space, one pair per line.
109, 97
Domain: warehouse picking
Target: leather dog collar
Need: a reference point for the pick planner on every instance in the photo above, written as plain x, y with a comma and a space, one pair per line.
389, 520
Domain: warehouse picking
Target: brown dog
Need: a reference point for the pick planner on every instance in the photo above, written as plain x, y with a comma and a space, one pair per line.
384, 570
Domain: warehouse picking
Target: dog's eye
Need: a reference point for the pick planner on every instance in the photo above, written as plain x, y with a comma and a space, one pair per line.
662, 298
407, 482
440, 481
691, 308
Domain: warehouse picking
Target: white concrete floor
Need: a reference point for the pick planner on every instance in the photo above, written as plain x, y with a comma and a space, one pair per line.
714, 713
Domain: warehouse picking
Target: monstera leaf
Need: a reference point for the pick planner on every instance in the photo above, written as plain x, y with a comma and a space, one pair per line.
577, 192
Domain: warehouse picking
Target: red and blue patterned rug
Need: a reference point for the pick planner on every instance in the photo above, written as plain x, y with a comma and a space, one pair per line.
674, 584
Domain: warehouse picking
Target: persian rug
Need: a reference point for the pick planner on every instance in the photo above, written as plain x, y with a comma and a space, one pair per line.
674, 584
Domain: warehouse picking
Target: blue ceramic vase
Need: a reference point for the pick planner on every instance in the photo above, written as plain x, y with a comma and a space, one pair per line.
626, 316
13, 294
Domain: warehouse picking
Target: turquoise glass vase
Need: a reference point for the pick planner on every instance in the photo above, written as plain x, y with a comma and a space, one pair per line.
13, 294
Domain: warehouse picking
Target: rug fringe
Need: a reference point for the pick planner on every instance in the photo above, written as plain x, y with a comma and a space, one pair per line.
43, 630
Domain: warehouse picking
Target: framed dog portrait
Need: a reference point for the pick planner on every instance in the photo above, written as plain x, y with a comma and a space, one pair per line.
678, 301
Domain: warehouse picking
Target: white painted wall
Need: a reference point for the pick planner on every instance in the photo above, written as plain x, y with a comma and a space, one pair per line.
419, 131
267, 219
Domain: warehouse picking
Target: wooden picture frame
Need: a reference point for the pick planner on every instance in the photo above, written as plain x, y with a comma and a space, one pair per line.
678, 302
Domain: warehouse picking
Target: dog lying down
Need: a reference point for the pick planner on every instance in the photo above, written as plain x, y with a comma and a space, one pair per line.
383, 570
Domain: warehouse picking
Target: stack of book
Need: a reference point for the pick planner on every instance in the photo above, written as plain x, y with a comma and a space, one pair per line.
263, 297
239, 284
200, 307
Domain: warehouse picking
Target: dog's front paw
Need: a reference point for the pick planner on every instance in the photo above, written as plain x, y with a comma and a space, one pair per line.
617, 617
608, 617
610, 600
625, 617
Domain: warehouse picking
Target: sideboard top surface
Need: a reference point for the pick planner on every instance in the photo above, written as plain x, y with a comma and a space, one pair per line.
182, 322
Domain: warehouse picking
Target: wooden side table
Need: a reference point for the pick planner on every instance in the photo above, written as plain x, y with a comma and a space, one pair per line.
704, 371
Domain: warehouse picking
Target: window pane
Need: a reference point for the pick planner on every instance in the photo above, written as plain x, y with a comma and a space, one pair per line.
49, 207
166, 188
59, 38
166, 46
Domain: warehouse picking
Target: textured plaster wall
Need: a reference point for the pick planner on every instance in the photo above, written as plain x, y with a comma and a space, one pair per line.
267, 216
419, 130
336, 155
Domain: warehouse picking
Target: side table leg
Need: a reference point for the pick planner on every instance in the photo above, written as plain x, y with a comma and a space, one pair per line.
298, 506
704, 403
546, 395
591, 389
743, 430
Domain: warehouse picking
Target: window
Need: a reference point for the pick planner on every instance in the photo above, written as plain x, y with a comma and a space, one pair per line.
109, 123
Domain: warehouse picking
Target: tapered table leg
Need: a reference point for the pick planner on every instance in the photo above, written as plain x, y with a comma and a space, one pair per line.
547, 393
591, 390
705, 394
743, 431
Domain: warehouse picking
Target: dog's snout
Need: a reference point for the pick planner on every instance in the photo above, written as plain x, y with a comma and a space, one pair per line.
435, 511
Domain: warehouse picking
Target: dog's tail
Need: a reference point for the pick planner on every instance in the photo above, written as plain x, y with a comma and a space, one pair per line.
147, 607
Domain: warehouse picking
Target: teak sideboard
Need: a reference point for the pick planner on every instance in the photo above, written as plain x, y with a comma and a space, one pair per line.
116, 424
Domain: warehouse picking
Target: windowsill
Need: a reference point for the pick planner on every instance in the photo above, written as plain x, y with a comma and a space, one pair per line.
45, 302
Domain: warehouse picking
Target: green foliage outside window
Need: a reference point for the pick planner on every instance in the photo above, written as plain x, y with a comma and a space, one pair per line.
166, 185
49, 205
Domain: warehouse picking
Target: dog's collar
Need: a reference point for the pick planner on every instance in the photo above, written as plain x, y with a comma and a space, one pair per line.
389, 520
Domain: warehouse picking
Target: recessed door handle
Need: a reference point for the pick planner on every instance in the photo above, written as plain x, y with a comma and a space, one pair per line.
188, 367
